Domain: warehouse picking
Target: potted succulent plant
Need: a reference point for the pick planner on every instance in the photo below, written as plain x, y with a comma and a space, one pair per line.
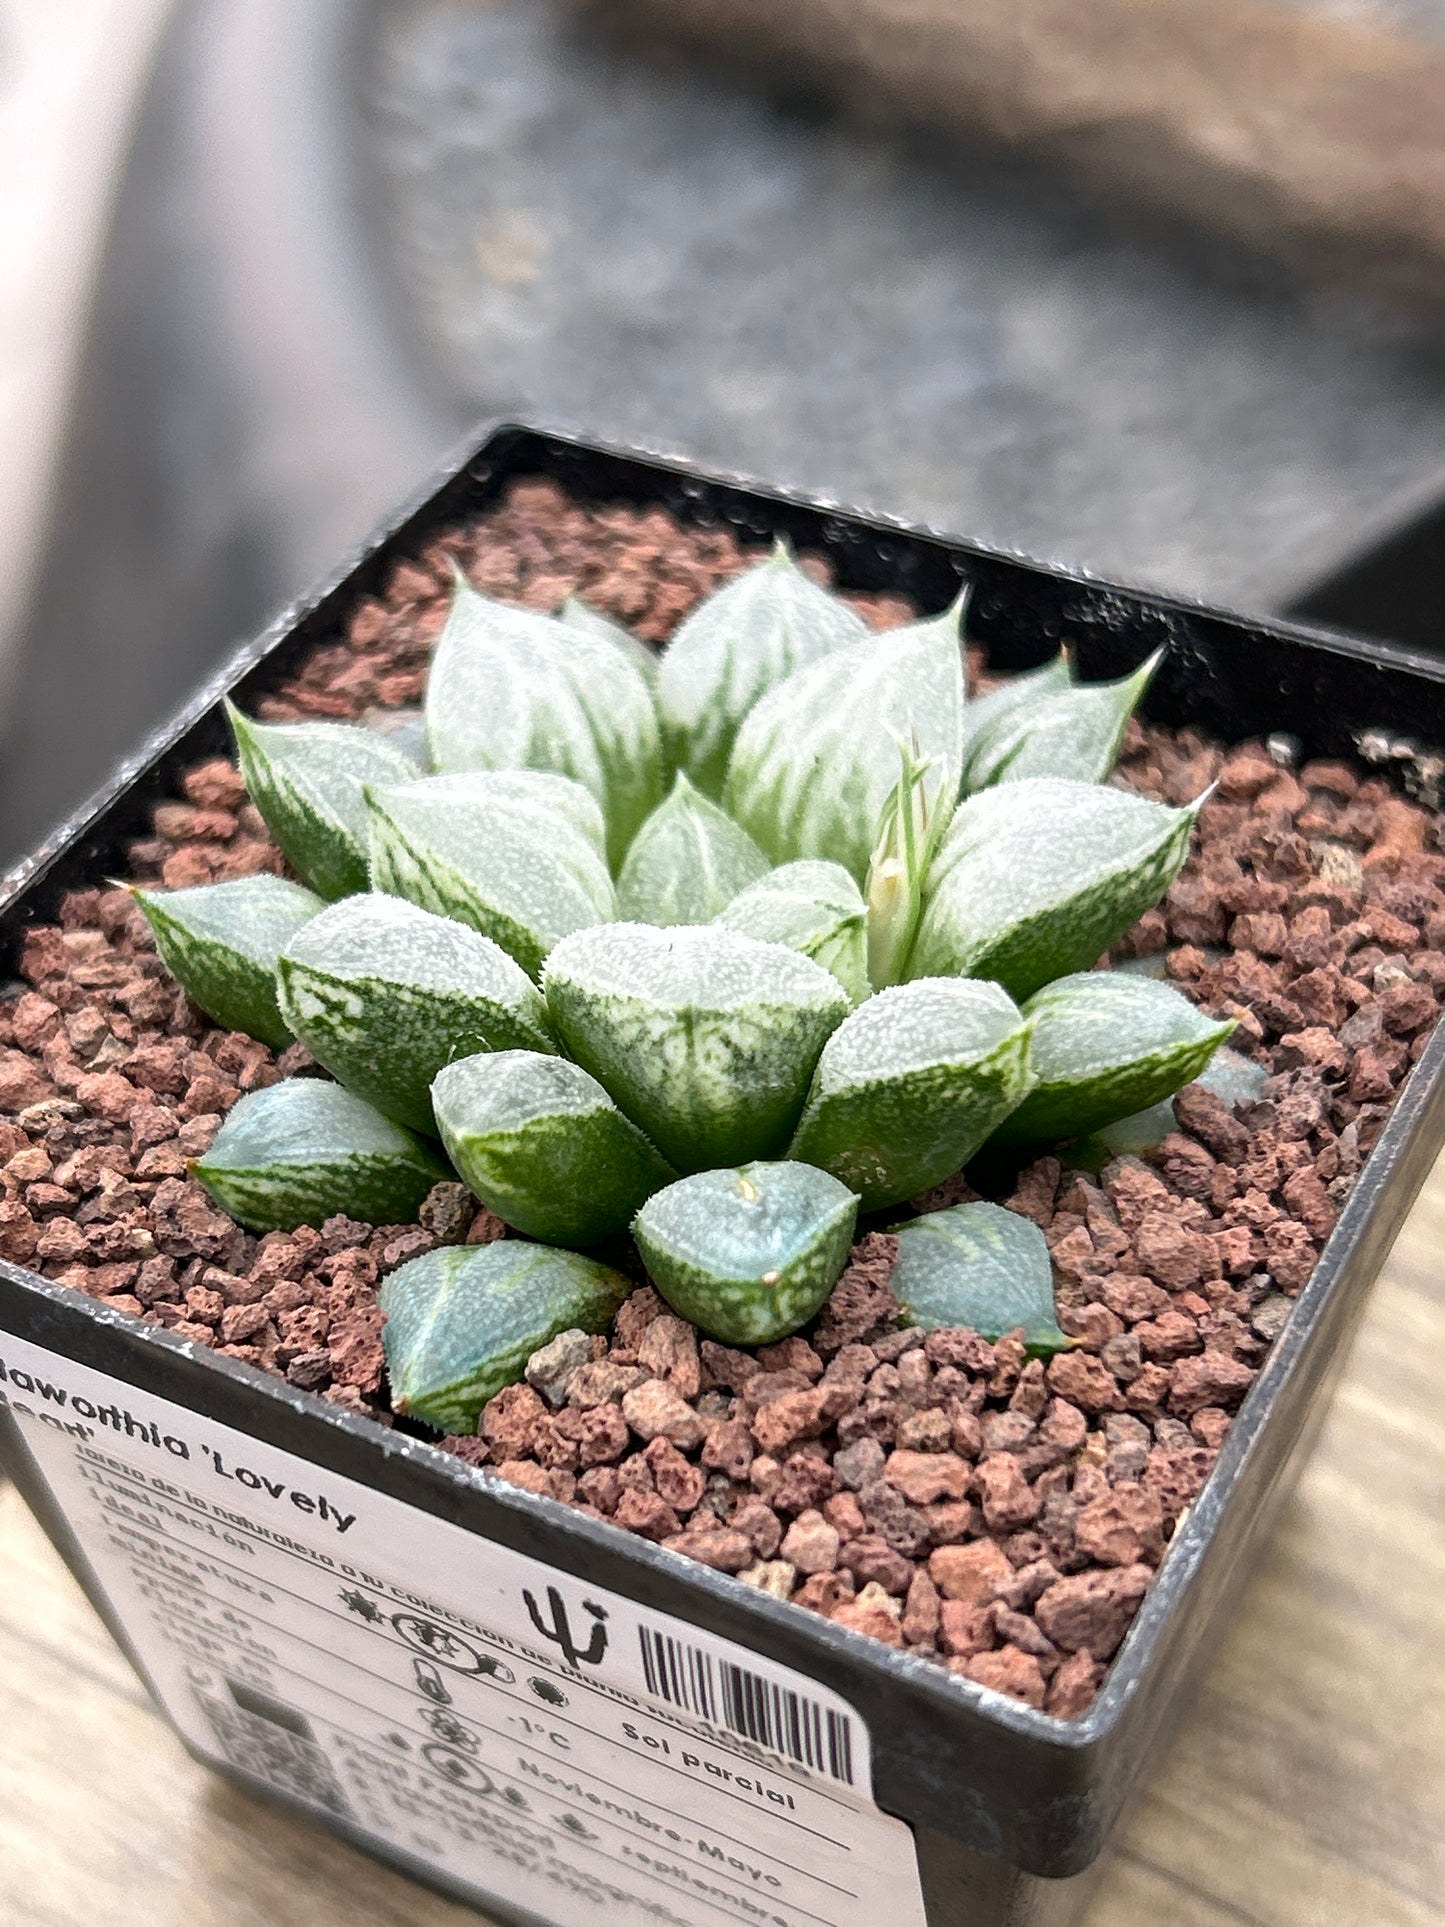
718, 949
672, 985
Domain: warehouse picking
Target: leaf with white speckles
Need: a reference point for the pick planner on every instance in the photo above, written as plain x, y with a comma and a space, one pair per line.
308, 780
304, 1150
220, 941
911, 1085
817, 760
384, 995
984, 714
1073, 732
812, 907
749, 1254
462, 1322
505, 851
1037, 878
578, 614
687, 862
542, 1144
1106, 1046
980, 1266
511, 689
704, 1037
744, 639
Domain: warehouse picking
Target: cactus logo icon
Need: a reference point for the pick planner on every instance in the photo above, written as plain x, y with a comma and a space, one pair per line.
558, 1628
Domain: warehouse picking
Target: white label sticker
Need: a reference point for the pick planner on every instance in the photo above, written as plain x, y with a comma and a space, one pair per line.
521, 1735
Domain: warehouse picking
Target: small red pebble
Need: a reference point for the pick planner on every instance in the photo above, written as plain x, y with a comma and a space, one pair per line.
974, 1573
1008, 1671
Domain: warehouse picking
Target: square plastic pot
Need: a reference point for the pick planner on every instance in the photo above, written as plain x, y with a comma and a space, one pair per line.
1009, 1808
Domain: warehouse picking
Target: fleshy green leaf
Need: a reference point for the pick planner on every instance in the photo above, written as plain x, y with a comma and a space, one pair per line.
510, 689
462, 1322
308, 780
812, 907
1073, 732
500, 850
816, 761
734, 647
384, 994
983, 715
578, 614
750, 1254
910, 1086
689, 860
303, 1151
544, 1146
706, 1038
1106, 1046
980, 1266
1037, 878
220, 942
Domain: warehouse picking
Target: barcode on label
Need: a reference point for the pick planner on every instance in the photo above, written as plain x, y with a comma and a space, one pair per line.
758, 1709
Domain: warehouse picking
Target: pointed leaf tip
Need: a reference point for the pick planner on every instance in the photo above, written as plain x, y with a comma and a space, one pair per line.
1073, 731
1037, 878
687, 862
816, 762
510, 689
1106, 1045
221, 941
739, 643
308, 781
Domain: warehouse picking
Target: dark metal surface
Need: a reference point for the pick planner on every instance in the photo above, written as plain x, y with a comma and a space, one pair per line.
1020, 1795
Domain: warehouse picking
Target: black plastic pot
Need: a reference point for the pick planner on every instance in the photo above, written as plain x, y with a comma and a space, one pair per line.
1008, 1808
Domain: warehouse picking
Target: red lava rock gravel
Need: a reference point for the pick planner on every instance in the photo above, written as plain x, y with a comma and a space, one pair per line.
937, 1492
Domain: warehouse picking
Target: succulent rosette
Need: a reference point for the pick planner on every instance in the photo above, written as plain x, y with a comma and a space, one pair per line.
720, 949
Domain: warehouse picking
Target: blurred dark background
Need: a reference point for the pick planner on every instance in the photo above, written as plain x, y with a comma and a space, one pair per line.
1164, 302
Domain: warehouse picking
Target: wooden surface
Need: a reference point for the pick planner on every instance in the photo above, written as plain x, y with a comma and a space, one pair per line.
1306, 1790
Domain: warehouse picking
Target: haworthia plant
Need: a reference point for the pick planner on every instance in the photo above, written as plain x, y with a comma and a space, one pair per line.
1106, 1045
737, 1054
462, 1322
910, 1086
543, 1145
687, 862
1035, 879
981, 1266
303, 1151
749, 1254
747, 637
812, 907
1073, 731
706, 1038
816, 761
308, 780
510, 689
480, 849
385, 995
220, 941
